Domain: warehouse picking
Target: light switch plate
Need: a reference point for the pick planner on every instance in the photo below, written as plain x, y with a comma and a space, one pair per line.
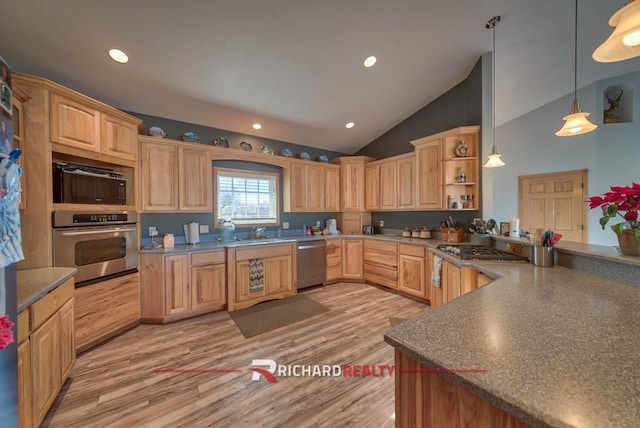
153, 231
317, 223
204, 228
285, 225
381, 223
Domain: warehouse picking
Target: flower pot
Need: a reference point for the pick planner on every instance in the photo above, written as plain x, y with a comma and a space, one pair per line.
629, 243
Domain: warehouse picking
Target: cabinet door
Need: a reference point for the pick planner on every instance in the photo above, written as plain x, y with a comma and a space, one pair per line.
482, 279
24, 385
74, 124
352, 178
119, 138
406, 182
299, 187
242, 286
352, 255
315, 188
159, 175
176, 287
195, 176
450, 281
412, 278
388, 184
372, 187
45, 366
18, 143
332, 188
334, 260
278, 274
208, 285
67, 340
429, 175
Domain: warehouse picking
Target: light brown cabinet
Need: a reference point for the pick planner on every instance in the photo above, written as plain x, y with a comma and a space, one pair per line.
179, 286
413, 267
381, 263
332, 188
388, 185
18, 100
175, 177
456, 281
352, 182
334, 260
405, 166
352, 257
45, 366
119, 137
429, 175
25, 419
310, 187
372, 186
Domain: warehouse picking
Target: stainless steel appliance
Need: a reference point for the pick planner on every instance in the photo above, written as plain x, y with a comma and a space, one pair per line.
99, 245
312, 263
81, 184
478, 252
367, 229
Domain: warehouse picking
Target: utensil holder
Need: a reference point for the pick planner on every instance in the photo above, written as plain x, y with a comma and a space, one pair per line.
456, 235
445, 234
542, 256
483, 239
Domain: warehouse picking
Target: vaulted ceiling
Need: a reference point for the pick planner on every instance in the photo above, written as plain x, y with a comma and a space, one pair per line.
295, 66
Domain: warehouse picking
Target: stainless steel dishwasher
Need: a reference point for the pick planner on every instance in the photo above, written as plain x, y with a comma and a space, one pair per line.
312, 263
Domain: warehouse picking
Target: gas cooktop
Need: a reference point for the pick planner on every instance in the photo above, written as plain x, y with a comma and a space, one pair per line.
478, 252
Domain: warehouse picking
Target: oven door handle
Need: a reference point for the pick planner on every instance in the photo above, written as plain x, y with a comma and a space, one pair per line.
96, 232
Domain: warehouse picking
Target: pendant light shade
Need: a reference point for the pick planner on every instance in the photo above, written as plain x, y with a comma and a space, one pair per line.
624, 42
494, 159
576, 122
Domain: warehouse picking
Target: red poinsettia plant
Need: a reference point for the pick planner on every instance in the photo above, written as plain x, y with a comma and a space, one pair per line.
620, 201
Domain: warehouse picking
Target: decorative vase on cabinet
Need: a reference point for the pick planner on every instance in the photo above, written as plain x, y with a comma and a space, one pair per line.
629, 242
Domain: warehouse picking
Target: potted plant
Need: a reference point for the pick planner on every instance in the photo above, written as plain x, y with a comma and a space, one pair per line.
623, 202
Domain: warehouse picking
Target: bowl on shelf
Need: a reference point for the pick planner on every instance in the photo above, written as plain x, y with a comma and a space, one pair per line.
317, 232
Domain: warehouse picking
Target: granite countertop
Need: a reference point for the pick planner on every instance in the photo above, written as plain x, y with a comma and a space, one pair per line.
34, 284
560, 347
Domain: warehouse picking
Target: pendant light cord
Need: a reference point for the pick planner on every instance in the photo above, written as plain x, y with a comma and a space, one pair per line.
575, 54
493, 86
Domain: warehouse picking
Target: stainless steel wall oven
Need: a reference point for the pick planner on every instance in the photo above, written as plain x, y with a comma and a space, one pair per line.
99, 245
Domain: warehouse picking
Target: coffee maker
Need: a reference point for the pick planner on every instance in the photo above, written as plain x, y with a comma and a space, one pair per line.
332, 226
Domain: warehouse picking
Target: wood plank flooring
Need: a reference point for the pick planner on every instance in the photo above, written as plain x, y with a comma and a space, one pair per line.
116, 385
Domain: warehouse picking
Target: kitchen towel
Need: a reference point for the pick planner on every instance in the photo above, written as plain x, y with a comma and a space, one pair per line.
256, 275
436, 273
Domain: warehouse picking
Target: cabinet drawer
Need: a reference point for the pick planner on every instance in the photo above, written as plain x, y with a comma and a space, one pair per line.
383, 258
334, 248
411, 250
334, 262
381, 275
334, 273
208, 258
49, 304
262, 251
381, 246
23, 326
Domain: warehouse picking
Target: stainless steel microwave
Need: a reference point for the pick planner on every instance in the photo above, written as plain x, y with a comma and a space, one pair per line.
81, 184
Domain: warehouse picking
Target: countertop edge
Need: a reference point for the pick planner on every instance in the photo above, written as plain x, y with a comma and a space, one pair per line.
42, 280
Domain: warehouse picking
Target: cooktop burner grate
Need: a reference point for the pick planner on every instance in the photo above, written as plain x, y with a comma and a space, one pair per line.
478, 252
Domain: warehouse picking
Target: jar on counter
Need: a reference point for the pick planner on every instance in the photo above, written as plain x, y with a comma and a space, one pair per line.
168, 240
415, 233
228, 230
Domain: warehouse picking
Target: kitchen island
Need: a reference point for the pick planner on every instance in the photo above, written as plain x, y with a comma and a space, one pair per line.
557, 348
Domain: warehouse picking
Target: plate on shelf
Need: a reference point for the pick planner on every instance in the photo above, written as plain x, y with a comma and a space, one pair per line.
190, 137
305, 156
221, 142
155, 131
462, 150
286, 153
246, 146
323, 159
267, 150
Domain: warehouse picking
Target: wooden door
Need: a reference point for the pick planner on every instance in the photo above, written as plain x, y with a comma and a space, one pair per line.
429, 175
195, 178
74, 124
119, 137
334, 260
450, 281
352, 180
278, 274
242, 284
24, 385
67, 339
159, 176
299, 188
388, 185
406, 182
45, 366
372, 187
332, 188
554, 201
352, 255
176, 285
315, 188
208, 285
412, 275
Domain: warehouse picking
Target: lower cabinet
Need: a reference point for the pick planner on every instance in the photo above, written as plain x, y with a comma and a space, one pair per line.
412, 278
456, 281
178, 286
352, 253
381, 263
260, 273
45, 366
334, 260
25, 419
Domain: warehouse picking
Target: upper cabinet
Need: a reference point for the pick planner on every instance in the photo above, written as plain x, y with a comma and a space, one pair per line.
119, 137
429, 175
19, 98
175, 177
332, 188
405, 166
352, 182
372, 186
311, 187
390, 184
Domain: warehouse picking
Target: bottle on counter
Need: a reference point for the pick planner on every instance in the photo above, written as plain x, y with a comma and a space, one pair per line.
228, 230
278, 233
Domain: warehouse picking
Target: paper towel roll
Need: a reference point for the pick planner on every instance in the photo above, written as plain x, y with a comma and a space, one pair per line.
192, 233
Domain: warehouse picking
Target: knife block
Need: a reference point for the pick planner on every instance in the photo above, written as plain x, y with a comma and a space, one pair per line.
456, 235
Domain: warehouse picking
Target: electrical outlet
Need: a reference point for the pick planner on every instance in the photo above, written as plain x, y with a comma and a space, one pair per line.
204, 228
317, 223
285, 225
153, 231
381, 223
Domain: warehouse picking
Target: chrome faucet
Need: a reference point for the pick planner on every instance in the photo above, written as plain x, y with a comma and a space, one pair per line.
259, 233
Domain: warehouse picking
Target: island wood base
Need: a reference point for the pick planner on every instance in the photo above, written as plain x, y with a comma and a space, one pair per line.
426, 399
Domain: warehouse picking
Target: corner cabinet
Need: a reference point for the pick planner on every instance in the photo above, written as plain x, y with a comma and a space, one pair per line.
175, 177
352, 182
352, 258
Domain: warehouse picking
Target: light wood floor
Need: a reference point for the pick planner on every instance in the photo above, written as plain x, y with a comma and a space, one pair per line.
115, 384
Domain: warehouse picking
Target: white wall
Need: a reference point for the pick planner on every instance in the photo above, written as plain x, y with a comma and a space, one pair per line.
528, 145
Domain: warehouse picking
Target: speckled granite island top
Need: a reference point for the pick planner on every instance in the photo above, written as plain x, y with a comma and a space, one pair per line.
560, 348
34, 284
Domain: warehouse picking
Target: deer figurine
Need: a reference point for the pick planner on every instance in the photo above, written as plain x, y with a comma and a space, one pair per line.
613, 106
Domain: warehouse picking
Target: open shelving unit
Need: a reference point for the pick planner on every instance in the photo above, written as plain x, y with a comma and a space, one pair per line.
461, 172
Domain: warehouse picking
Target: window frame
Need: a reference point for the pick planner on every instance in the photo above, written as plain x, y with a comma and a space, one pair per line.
251, 174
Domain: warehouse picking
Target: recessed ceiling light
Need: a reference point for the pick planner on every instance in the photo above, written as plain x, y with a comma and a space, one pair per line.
350, 125
118, 56
256, 126
370, 61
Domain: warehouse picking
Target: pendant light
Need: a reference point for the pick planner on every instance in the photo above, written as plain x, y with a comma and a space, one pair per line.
576, 122
624, 42
494, 160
